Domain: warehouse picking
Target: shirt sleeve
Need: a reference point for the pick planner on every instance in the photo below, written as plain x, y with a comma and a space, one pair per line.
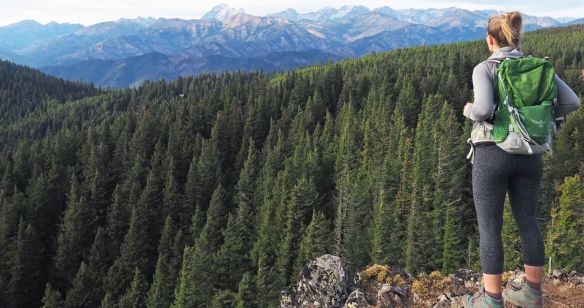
483, 105
568, 101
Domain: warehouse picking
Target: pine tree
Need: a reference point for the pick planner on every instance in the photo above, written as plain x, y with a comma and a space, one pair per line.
357, 243
449, 183
136, 293
452, 250
119, 216
161, 291
344, 201
315, 241
247, 183
255, 125
347, 155
408, 103
75, 236
171, 202
197, 224
190, 197
25, 288
216, 218
264, 256
224, 299
207, 174
80, 294
381, 247
419, 242
264, 253
246, 295
302, 201
100, 183
7, 184
390, 243
223, 134
10, 213
194, 287
50, 209
232, 259
52, 298
565, 245
87, 289
108, 302
141, 241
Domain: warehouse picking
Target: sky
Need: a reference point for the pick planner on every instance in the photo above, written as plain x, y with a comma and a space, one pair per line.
90, 12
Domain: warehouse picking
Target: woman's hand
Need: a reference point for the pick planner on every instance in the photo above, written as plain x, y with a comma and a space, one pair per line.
466, 111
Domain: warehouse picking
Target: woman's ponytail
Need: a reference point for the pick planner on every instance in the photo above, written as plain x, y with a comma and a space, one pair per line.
506, 29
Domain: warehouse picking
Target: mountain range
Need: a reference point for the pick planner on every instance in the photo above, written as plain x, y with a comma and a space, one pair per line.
126, 52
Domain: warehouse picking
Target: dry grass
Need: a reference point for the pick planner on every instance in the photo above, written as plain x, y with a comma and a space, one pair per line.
427, 285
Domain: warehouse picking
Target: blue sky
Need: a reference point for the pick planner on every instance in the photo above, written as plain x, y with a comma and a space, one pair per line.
90, 12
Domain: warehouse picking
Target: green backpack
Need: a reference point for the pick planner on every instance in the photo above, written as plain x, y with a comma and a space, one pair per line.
524, 118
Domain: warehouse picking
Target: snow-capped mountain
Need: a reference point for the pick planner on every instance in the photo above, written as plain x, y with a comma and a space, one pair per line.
229, 33
221, 12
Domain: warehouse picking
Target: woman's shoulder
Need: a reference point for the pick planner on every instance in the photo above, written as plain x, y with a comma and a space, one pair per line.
487, 64
485, 68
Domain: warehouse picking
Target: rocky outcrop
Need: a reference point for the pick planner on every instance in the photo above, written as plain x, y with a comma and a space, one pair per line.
324, 282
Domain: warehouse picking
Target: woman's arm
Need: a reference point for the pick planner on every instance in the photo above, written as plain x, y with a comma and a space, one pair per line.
568, 101
483, 106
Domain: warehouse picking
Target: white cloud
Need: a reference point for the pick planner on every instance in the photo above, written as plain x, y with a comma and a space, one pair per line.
90, 12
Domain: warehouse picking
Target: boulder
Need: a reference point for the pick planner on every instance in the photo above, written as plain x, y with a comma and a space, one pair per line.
323, 282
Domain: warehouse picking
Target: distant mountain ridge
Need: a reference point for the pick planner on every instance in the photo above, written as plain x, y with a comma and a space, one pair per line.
226, 33
132, 71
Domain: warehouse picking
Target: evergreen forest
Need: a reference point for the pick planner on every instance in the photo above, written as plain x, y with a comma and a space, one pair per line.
214, 190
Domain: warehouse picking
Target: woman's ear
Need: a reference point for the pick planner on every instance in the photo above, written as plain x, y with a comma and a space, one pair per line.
491, 40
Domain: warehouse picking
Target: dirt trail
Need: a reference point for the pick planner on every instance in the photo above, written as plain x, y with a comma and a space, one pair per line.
559, 294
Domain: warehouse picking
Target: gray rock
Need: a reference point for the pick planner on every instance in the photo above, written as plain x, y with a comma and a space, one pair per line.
465, 278
457, 302
516, 280
445, 300
357, 299
442, 304
402, 292
390, 296
322, 283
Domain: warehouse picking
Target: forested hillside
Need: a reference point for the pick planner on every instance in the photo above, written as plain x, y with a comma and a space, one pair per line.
213, 190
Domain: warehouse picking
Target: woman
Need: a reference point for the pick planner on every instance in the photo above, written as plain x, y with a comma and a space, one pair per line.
496, 172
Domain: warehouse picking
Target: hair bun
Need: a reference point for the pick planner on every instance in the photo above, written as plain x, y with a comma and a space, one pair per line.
515, 19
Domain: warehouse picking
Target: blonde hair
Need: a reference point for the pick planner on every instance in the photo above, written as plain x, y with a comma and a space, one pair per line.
506, 29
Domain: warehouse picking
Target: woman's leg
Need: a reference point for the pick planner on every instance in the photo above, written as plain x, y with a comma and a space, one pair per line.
523, 196
534, 276
490, 178
492, 285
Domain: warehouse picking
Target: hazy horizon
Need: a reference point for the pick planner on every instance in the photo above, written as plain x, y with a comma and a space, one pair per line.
90, 12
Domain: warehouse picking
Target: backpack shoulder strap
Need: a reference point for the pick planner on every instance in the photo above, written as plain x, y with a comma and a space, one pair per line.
491, 119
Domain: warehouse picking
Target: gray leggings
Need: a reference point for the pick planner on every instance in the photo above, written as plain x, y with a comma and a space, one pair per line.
495, 172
